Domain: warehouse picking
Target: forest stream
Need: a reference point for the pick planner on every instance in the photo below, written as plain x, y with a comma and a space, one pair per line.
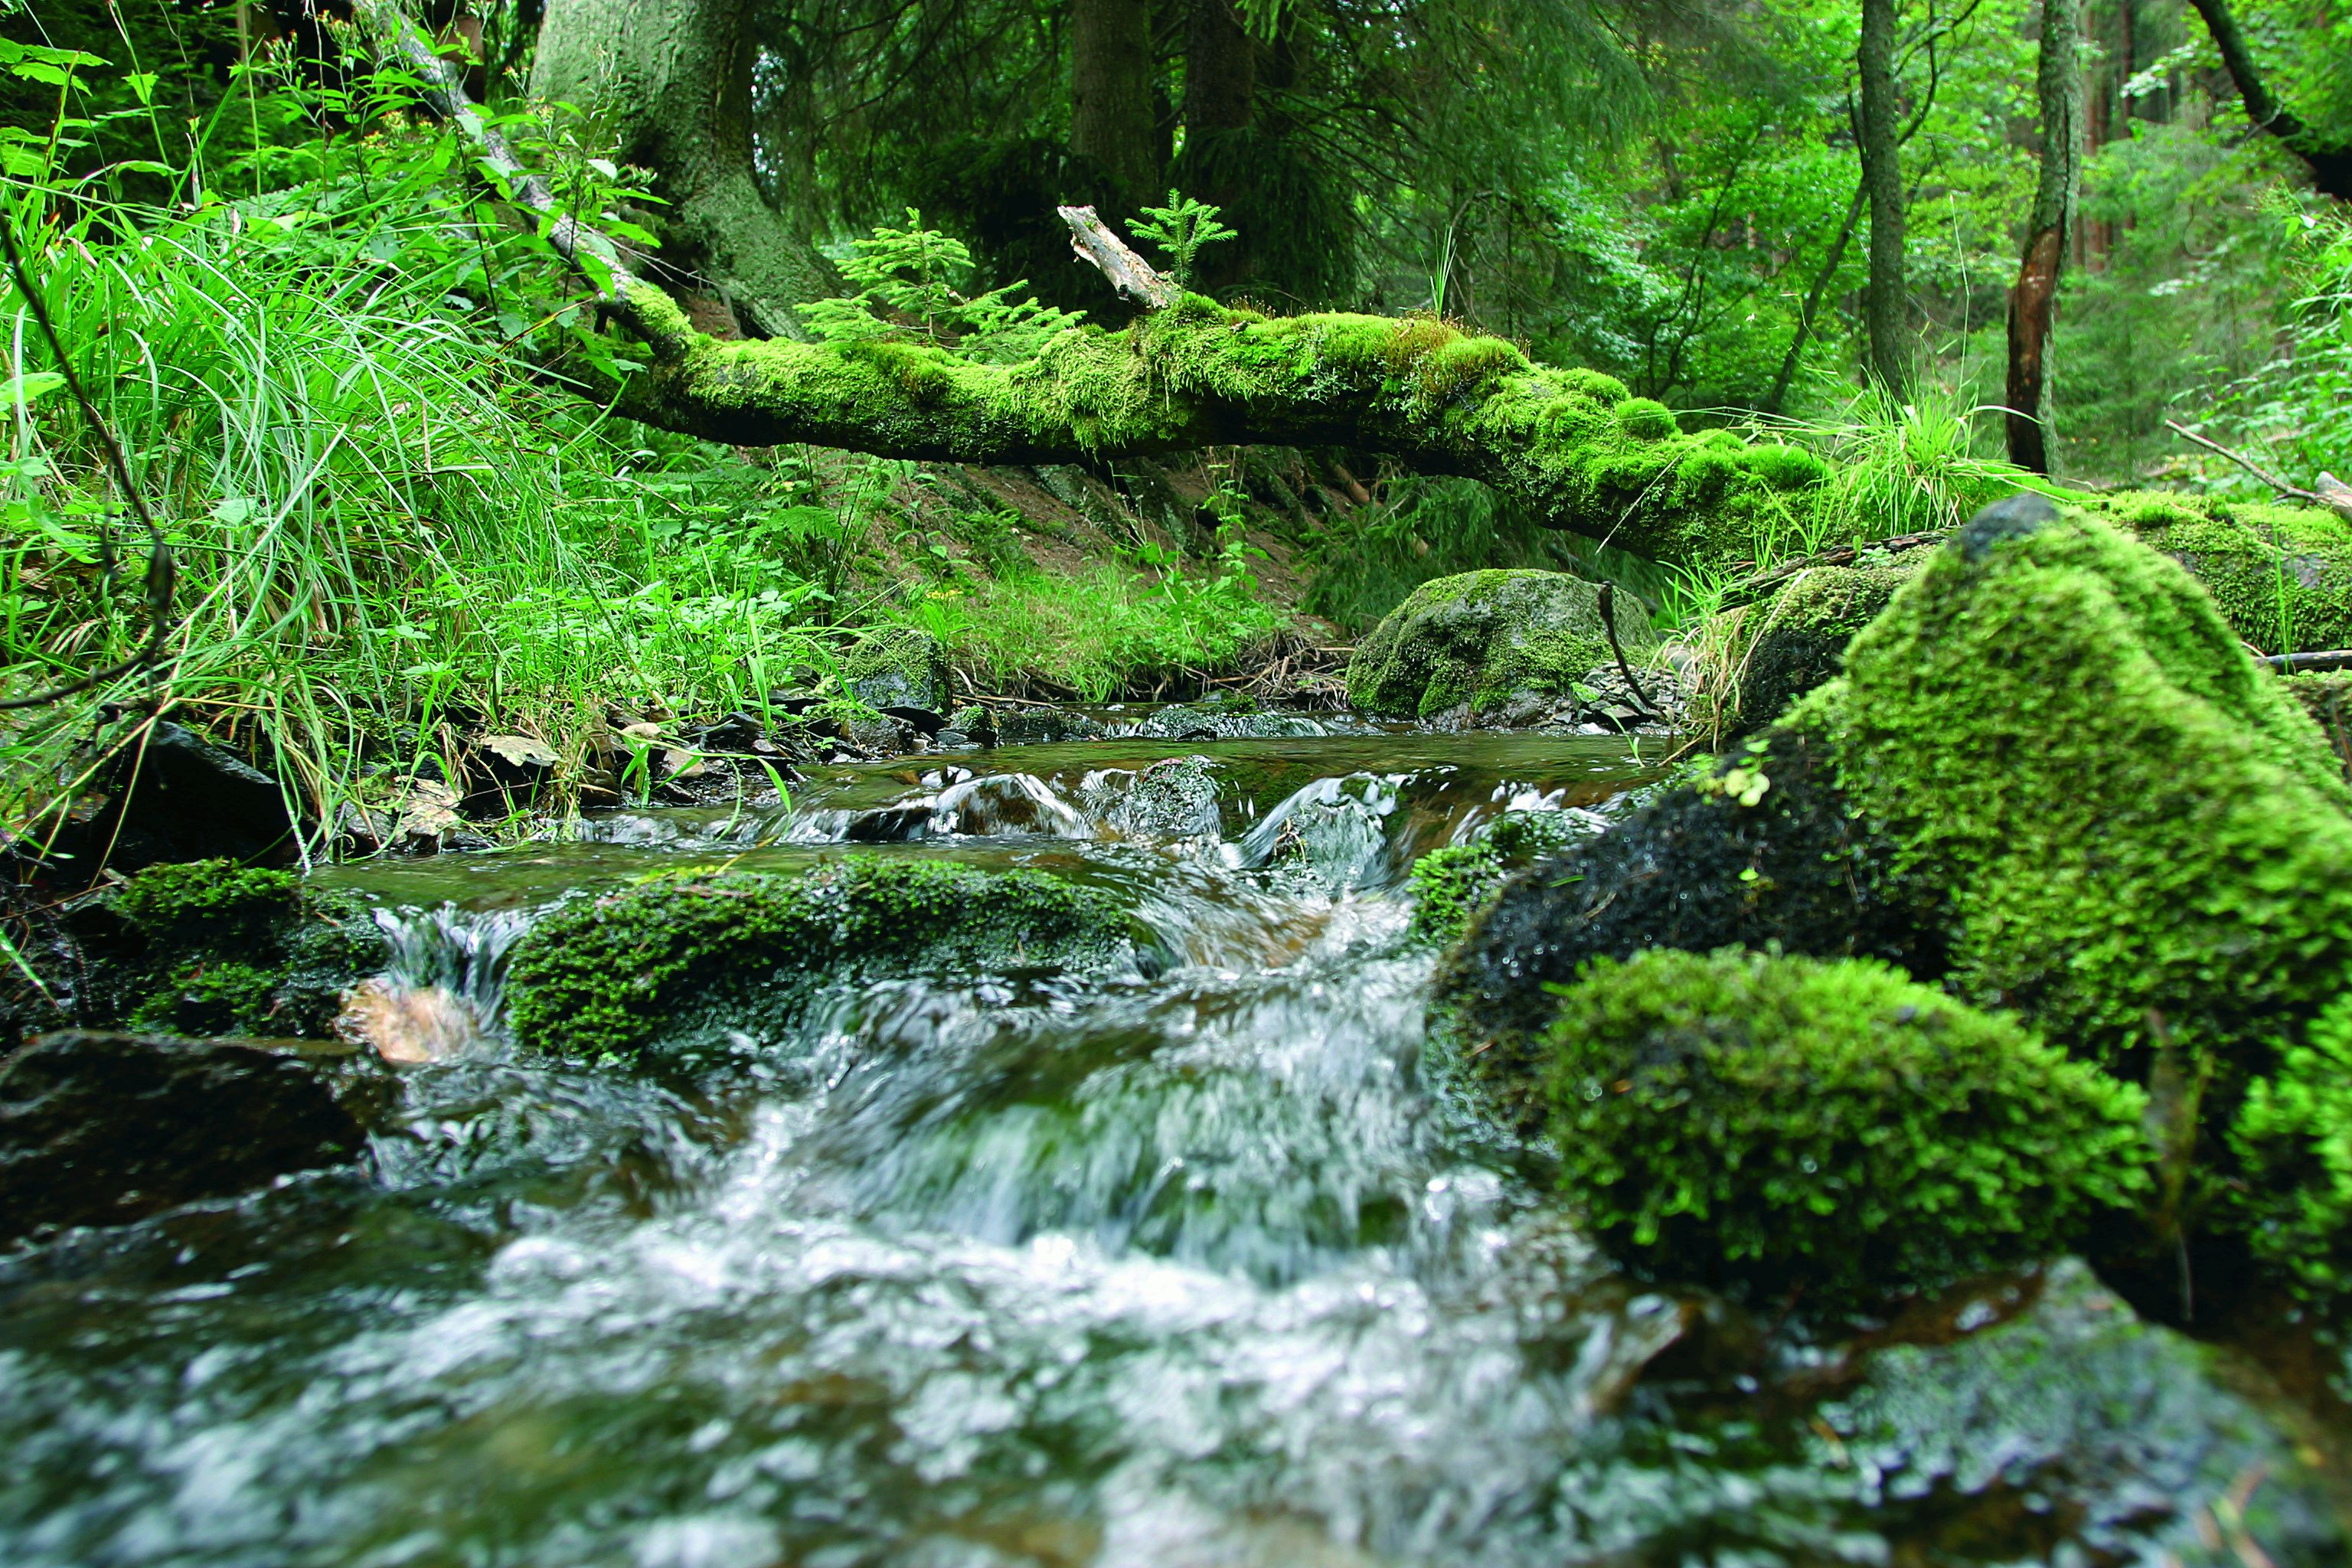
1186, 1259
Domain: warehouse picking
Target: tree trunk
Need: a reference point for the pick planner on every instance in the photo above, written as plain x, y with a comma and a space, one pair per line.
1886, 305
1220, 113
1811, 309
2330, 162
2032, 301
671, 79
1111, 100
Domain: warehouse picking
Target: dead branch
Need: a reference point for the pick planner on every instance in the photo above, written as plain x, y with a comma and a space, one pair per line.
1094, 243
2336, 498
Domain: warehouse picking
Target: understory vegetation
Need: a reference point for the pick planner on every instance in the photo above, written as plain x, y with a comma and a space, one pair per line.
372, 412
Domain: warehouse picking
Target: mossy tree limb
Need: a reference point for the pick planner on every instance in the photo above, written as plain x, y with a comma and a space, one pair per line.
1569, 443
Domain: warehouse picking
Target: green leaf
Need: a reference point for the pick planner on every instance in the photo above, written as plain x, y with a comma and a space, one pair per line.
143, 85
31, 387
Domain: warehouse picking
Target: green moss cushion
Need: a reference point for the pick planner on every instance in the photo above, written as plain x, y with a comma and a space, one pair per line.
2136, 834
1828, 1127
1485, 639
609, 976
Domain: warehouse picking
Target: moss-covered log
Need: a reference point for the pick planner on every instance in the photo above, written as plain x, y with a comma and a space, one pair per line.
1571, 444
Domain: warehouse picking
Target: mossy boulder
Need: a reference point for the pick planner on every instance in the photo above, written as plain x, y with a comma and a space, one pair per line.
1797, 641
1773, 1124
2281, 575
605, 977
215, 948
2052, 779
897, 667
1759, 848
2136, 836
1485, 639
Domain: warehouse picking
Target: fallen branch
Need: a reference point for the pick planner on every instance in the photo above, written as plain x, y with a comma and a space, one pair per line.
1094, 243
2340, 502
2310, 663
1608, 620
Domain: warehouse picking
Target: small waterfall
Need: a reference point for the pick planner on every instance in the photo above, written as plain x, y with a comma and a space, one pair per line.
440, 995
1334, 828
997, 806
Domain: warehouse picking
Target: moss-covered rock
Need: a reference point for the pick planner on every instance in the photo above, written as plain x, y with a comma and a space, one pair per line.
1760, 848
1795, 642
1831, 1128
897, 667
2137, 835
1451, 885
2281, 575
1484, 638
2327, 698
605, 977
212, 947
2052, 779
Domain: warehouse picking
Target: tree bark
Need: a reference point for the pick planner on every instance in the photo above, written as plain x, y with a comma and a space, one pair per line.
2032, 302
2330, 162
1887, 304
1111, 100
672, 81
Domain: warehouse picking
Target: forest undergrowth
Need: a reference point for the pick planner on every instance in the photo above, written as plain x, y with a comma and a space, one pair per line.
368, 411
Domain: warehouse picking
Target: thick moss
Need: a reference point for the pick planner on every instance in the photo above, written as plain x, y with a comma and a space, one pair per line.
2138, 837
2282, 575
212, 947
1483, 638
1452, 884
605, 977
1785, 1124
897, 667
1799, 639
1761, 848
1569, 443
2292, 1141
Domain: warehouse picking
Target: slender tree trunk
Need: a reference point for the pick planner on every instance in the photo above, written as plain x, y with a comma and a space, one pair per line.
1811, 309
671, 79
2032, 301
1887, 304
2330, 162
1112, 100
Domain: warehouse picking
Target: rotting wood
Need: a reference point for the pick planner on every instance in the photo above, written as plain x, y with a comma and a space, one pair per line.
2321, 663
1093, 242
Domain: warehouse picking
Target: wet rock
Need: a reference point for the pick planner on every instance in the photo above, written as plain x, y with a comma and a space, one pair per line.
101, 1128
507, 773
1046, 726
1487, 638
1762, 848
607, 978
215, 948
1226, 721
2052, 779
899, 667
181, 797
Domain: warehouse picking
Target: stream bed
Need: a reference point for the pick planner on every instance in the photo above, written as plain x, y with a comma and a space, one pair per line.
1190, 1263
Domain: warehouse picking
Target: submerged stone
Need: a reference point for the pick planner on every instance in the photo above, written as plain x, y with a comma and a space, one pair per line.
1488, 638
101, 1128
607, 977
1775, 1124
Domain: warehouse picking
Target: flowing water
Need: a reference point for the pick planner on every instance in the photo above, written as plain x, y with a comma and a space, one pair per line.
1189, 1261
